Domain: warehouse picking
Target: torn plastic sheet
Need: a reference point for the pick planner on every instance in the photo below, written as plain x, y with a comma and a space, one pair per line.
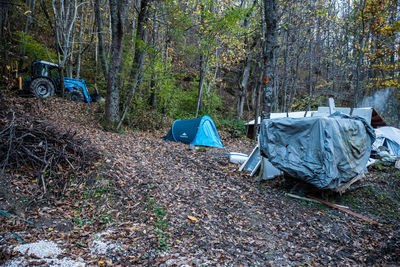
322, 151
388, 137
236, 157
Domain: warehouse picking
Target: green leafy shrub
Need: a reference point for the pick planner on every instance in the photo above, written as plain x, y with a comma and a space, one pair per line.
33, 49
160, 97
232, 126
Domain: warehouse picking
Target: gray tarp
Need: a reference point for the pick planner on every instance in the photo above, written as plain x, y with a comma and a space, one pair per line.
324, 152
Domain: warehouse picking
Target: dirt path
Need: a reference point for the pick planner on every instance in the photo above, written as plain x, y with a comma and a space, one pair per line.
173, 206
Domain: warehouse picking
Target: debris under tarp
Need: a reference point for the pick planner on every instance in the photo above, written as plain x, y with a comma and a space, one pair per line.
255, 162
388, 137
323, 151
235, 157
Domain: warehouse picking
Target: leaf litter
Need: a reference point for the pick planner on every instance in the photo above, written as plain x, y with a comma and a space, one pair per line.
161, 203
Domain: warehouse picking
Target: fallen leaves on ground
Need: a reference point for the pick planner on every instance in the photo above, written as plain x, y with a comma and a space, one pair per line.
164, 203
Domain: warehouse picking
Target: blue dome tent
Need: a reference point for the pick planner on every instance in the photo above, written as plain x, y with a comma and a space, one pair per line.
198, 132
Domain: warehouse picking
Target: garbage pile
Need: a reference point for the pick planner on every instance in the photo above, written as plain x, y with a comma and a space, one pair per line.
387, 144
323, 151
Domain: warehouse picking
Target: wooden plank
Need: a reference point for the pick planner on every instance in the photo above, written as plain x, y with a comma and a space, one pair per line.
344, 210
332, 108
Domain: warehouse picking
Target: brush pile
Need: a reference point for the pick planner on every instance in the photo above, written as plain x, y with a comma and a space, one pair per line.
29, 144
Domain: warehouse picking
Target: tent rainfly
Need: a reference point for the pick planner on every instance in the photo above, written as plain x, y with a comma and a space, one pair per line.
197, 132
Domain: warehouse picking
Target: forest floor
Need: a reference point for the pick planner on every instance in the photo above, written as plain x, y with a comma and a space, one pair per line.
150, 202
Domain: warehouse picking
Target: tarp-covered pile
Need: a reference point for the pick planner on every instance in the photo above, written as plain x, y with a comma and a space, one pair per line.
323, 151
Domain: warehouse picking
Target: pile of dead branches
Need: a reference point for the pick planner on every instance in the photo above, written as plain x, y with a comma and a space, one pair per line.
28, 143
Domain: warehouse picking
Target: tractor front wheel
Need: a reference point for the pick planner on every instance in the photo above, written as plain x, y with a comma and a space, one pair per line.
76, 96
42, 88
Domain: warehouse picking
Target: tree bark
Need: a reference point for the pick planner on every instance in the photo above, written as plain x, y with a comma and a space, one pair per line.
243, 86
257, 108
58, 46
284, 78
118, 17
270, 20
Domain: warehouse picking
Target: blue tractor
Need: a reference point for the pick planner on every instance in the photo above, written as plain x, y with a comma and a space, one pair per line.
45, 82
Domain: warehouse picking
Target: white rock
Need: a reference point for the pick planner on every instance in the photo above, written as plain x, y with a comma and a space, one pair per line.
42, 249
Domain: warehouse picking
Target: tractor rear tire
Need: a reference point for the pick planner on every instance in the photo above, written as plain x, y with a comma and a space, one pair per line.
42, 88
76, 96
96, 97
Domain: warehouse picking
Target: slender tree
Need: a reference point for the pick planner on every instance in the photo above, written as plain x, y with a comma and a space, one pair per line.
118, 17
100, 36
270, 20
65, 13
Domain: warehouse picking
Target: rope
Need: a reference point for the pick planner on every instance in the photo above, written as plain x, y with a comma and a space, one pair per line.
19, 238
7, 215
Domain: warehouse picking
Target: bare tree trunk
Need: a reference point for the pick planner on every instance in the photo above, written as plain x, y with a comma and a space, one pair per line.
269, 48
243, 86
154, 76
118, 16
212, 83
275, 101
284, 78
360, 55
257, 108
58, 46
70, 62
293, 88
79, 52
203, 71
96, 62
310, 79
64, 22
140, 55
100, 35
243, 83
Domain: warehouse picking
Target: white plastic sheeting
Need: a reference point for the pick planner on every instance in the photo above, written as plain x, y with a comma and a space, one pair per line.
388, 137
